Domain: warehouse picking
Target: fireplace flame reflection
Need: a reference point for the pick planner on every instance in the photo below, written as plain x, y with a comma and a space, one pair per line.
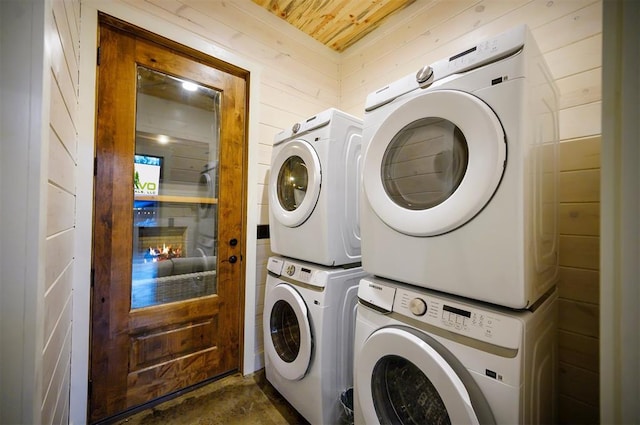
166, 252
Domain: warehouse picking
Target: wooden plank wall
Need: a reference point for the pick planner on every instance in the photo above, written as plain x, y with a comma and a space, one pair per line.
579, 223
569, 34
335, 23
64, 43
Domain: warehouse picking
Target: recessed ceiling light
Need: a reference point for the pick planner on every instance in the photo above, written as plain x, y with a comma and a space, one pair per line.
163, 139
189, 86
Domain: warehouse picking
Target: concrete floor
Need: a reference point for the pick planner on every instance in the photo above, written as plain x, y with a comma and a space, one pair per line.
233, 400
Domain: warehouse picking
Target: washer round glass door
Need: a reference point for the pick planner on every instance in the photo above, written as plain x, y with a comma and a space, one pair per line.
434, 163
402, 379
294, 185
288, 341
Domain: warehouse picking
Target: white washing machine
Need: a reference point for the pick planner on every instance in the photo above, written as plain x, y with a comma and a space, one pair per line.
314, 188
428, 358
459, 175
309, 321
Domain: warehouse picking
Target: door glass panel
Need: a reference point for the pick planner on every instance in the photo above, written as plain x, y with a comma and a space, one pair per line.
175, 190
402, 394
292, 183
285, 331
424, 163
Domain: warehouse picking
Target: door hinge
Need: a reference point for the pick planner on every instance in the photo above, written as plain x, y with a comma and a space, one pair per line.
98, 56
89, 388
95, 166
93, 275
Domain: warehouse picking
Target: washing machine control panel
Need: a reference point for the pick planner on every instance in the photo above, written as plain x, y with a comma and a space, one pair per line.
299, 272
486, 325
418, 306
274, 265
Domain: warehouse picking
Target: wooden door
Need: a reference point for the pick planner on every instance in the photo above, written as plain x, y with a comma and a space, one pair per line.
166, 306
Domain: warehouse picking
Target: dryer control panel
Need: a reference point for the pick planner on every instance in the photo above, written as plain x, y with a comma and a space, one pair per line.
498, 47
464, 319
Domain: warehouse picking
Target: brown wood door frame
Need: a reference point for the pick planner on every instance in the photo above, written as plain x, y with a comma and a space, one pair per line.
121, 166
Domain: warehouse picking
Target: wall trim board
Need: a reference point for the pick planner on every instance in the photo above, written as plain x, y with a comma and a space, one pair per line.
25, 101
620, 241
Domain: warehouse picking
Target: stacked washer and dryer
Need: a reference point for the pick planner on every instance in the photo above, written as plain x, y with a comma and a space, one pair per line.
458, 220
312, 282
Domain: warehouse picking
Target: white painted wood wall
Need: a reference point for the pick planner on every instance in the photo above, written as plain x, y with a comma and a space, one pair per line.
39, 148
63, 41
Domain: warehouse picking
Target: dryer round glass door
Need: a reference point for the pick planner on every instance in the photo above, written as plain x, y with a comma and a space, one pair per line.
402, 379
288, 340
294, 186
434, 163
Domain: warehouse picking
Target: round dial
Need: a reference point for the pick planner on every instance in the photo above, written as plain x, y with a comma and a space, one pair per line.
424, 75
291, 269
417, 306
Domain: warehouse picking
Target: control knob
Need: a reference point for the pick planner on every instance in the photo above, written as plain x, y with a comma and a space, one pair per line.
417, 306
424, 76
291, 269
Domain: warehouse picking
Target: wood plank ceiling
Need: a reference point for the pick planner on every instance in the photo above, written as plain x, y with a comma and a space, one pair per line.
335, 23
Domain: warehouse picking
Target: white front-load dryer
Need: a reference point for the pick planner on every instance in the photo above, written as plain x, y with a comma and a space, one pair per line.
424, 357
459, 175
309, 324
314, 188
